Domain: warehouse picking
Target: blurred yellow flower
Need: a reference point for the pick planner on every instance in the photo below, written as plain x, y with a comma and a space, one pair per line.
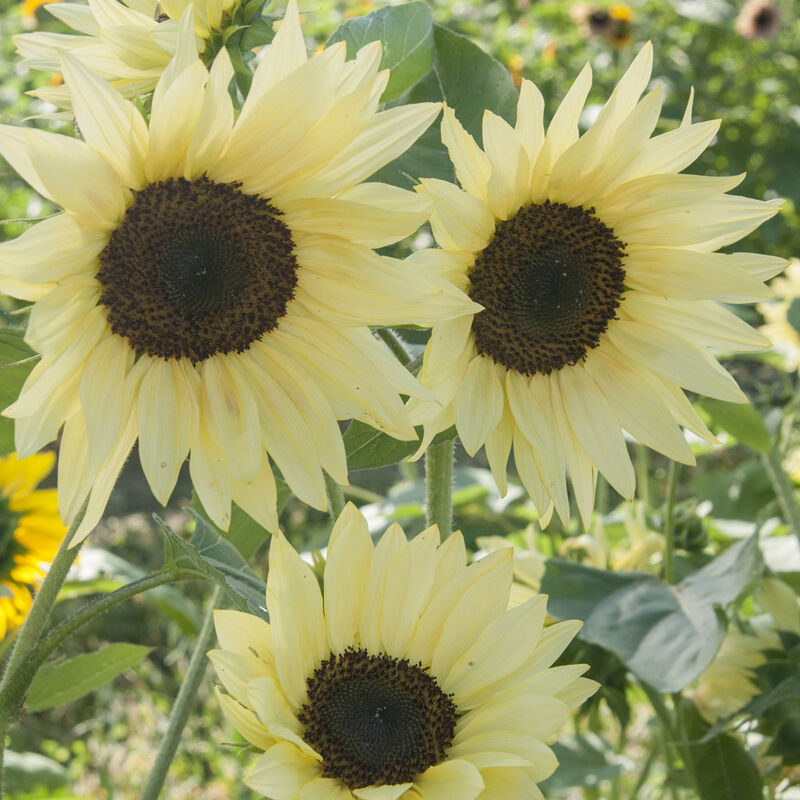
30, 533
528, 564
778, 329
28, 10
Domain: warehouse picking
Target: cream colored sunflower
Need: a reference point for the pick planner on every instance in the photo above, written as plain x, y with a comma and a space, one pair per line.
406, 676
30, 533
208, 286
592, 258
777, 327
127, 43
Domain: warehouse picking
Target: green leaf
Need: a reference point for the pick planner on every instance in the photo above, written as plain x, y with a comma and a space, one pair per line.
64, 681
469, 80
256, 34
406, 33
25, 772
16, 362
583, 761
214, 558
740, 420
793, 314
666, 635
722, 769
367, 447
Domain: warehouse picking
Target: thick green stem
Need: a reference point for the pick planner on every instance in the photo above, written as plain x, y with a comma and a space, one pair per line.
335, 497
669, 522
395, 344
783, 488
642, 466
439, 486
183, 704
18, 673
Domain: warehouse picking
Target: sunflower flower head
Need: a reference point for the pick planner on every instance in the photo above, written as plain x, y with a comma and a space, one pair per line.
593, 259
207, 293
406, 676
129, 44
30, 533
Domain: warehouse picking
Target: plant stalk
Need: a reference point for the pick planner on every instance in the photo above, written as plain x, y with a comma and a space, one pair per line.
669, 522
783, 489
183, 703
439, 486
395, 344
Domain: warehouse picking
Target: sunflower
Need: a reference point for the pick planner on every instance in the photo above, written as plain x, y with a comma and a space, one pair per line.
777, 328
127, 43
209, 284
406, 676
30, 533
592, 258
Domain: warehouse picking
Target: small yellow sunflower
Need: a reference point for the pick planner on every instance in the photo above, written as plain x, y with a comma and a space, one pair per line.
406, 676
209, 283
593, 259
127, 43
30, 533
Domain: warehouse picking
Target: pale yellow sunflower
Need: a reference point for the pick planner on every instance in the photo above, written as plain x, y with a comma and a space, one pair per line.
406, 676
592, 257
777, 327
127, 43
30, 533
209, 283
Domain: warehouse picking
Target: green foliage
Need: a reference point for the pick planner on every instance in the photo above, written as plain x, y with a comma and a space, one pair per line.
26, 772
738, 419
16, 362
62, 682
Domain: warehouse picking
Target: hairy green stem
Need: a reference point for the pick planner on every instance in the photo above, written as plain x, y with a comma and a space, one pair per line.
18, 674
669, 522
439, 486
395, 344
183, 704
335, 497
783, 489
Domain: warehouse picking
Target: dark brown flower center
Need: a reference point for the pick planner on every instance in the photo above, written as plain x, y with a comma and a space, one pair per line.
376, 720
550, 281
197, 268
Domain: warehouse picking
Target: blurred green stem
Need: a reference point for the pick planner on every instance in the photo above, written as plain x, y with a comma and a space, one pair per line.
183, 703
18, 673
669, 522
439, 486
783, 488
335, 497
642, 464
395, 344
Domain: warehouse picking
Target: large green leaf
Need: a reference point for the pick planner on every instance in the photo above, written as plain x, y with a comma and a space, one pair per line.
584, 761
740, 420
214, 558
720, 768
16, 362
406, 33
26, 772
666, 635
62, 682
367, 447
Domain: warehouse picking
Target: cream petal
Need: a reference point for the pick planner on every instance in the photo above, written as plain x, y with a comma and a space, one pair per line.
110, 125
451, 559
561, 133
23, 290
51, 250
211, 477
498, 447
552, 644
237, 672
537, 716
472, 166
244, 634
297, 622
185, 58
348, 562
478, 406
75, 16
453, 777
596, 427
501, 748
509, 185
74, 481
286, 53
268, 701
504, 783
245, 721
530, 120
167, 415
382, 792
758, 265
14, 149
101, 400
258, 497
530, 475
282, 772
325, 789
78, 179
459, 221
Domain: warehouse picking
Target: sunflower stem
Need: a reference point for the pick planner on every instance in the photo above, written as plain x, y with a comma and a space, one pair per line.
642, 466
183, 703
18, 673
783, 489
335, 497
439, 486
669, 522
395, 344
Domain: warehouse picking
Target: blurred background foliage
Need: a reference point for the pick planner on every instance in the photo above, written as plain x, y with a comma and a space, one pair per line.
99, 746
